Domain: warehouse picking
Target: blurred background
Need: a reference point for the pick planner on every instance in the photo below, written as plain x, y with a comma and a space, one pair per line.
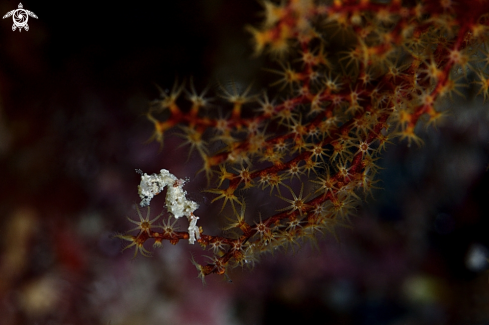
74, 90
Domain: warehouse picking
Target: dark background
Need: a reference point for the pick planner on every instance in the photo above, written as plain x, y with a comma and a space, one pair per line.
73, 93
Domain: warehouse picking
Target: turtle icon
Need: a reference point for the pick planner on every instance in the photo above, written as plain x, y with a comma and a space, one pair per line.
20, 16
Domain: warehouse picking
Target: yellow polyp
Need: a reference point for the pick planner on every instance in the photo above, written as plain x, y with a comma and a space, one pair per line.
404, 117
237, 110
213, 161
157, 242
431, 111
226, 195
273, 13
410, 128
174, 108
261, 38
479, 30
280, 45
202, 243
195, 137
224, 175
195, 109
